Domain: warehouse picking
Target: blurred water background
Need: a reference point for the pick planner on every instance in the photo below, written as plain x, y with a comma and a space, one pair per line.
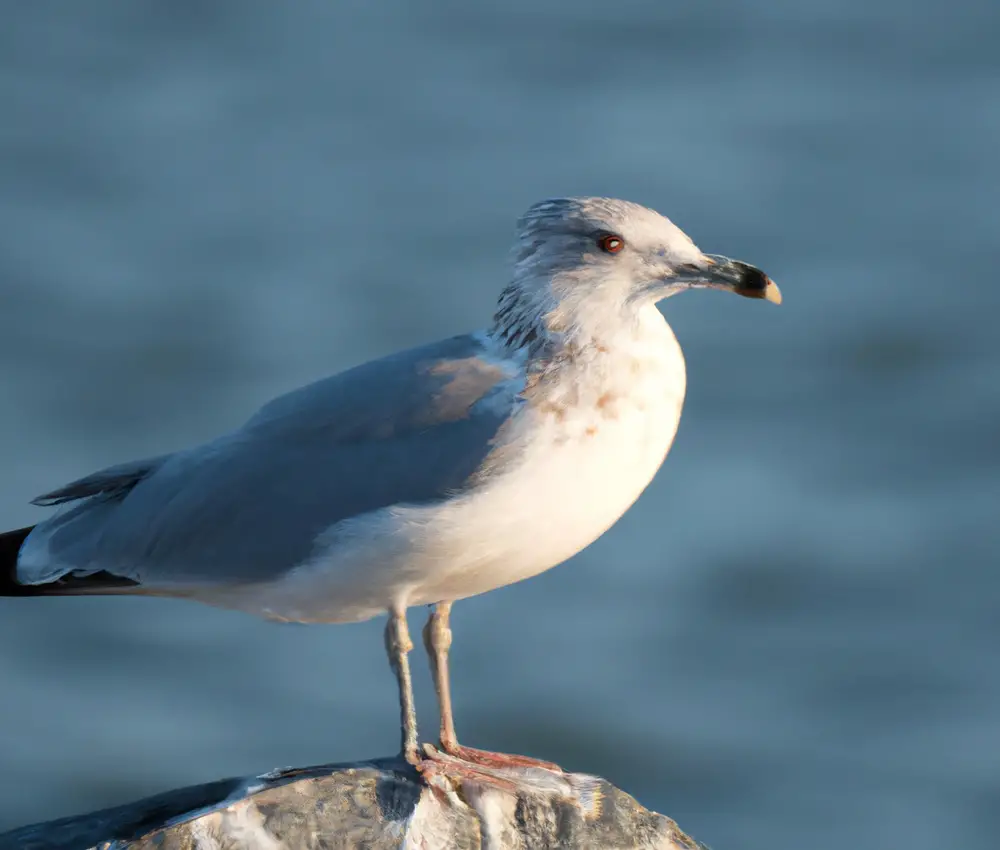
790, 641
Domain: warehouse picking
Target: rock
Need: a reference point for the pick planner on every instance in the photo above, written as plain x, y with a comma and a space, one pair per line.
375, 805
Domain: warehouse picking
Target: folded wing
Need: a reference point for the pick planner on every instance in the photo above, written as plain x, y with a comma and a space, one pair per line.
411, 428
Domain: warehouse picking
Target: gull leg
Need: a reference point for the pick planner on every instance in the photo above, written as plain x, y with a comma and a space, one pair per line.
437, 642
397, 645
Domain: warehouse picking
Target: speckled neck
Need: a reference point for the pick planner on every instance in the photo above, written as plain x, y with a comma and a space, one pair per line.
562, 316
519, 323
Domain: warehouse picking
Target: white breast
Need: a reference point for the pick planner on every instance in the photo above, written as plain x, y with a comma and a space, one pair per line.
570, 462
584, 457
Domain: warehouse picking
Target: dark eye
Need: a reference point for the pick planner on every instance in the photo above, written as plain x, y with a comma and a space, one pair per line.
609, 243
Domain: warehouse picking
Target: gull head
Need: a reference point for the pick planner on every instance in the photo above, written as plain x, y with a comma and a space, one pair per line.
616, 251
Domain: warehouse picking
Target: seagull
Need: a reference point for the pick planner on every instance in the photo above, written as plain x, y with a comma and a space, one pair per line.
421, 478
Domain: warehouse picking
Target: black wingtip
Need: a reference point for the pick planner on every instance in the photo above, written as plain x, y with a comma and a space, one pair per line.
94, 583
10, 545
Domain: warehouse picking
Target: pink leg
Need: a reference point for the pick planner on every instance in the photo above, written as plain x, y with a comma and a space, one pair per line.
437, 640
397, 647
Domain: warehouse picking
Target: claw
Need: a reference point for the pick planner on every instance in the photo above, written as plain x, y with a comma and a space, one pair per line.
496, 760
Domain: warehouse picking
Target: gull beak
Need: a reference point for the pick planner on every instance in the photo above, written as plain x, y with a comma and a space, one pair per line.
741, 278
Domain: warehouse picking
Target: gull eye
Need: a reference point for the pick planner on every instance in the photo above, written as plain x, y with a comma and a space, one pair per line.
609, 243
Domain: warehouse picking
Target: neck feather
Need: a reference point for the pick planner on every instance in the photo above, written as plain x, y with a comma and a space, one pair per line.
536, 317
520, 321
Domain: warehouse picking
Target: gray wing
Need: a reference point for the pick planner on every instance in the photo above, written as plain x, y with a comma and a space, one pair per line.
410, 428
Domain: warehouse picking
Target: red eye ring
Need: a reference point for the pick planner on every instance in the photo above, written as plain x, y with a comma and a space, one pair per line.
610, 244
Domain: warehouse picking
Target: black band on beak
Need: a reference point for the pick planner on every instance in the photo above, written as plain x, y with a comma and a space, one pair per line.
743, 279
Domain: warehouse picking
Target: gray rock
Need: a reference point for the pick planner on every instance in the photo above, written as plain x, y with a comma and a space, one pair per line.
375, 805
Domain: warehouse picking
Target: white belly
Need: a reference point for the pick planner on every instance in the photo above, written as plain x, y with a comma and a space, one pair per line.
567, 493
567, 473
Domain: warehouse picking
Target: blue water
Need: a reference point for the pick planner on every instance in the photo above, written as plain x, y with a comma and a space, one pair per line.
790, 641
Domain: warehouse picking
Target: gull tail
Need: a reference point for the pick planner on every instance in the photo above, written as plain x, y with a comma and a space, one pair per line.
69, 585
